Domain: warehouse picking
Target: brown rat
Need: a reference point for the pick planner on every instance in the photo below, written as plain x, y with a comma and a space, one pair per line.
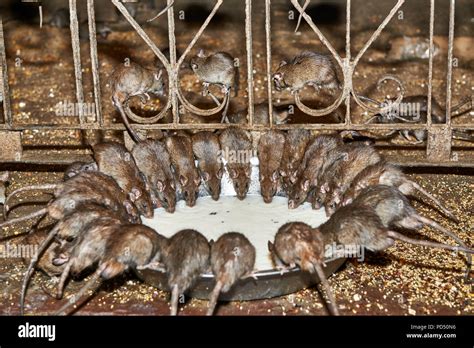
270, 152
186, 258
232, 258
207, 149
78, 167
132, 246
414, 109
339, 176
296, 141
129, 80
296, 243
55, 247
217, 69
260, 115
115, 160
86, 187
384, 173
154, 161
237, 143
180, 149
316, 158
308, 68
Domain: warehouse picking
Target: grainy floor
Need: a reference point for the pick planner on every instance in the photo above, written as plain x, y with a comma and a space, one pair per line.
404, 280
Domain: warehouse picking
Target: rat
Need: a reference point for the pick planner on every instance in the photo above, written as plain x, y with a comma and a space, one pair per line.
232, 258
260, 115
129, 80
154, 161
337, 178
414, 109
270, 152
316, 158
296, 141
86, 187
217, 69
55, 247
385, 173
78, 167
296, 243
186, 258
236, 142
115, 160
180, 149
207, 149
132, 246
4, 177
308, 68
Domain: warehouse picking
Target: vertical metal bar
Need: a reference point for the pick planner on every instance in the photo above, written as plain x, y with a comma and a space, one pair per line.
76, 50
268, 38
450, 62
348, 57
7, 112
430, 64
248, 39
173, 78
94, 61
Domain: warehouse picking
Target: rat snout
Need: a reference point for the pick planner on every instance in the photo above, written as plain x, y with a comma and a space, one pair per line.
277, 81
268, 198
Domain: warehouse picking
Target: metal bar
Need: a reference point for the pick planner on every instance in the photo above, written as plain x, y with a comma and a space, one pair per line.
348, 57
315, 126
449, 76
430, 64
7, 112
268, 40
173, 79
94, 61
248, 41
76, 51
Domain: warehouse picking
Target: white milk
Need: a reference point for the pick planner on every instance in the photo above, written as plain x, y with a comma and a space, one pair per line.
258, 221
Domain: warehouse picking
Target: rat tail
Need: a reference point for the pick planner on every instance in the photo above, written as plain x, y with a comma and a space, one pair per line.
31, 267
322, 277
464, 101
401, 237
213, 298
6, 207
436, 226
40, 212
75, 298
226, 108
62, 280
463, 135
174, 300
236, 81
161, 12
445, 210
127, 124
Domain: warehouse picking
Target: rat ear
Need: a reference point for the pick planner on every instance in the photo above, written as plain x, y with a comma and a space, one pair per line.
172, 184
135, 194
282, 173
271, 247
305, 185
206, 176
160, 186
248, 172
194, 66
183, 180
282, 63
201, 53
233, 174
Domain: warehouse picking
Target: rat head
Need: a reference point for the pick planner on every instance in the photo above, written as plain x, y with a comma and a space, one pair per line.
299, 193
351, 194
142, 200
132, 211
296, 243
198, 61
268, 186
212, 181
158, 86
166, 193
278, 78
240, 176
334, 202
190, 187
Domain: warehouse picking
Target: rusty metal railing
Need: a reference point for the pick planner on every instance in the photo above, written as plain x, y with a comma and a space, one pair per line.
438, 147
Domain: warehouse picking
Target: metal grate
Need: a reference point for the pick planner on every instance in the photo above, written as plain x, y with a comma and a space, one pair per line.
438, 147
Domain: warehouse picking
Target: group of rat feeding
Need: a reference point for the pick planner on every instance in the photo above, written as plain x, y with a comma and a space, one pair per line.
97, 208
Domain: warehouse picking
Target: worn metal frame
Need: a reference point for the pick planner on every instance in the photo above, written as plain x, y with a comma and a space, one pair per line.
438, 148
